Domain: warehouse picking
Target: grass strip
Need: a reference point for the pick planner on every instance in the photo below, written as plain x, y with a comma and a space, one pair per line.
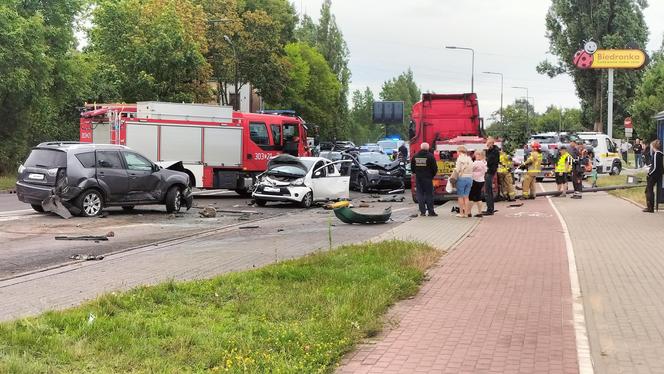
636, 194
296, 316
7, 182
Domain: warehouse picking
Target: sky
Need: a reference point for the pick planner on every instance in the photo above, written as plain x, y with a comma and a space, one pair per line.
386, 37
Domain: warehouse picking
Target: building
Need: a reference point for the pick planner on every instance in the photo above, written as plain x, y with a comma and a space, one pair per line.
250, 101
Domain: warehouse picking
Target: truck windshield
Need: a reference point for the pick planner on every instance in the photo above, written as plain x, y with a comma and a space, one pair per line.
46, 158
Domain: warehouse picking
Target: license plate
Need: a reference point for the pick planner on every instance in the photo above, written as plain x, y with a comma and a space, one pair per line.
445, 167
38, 177
271, 189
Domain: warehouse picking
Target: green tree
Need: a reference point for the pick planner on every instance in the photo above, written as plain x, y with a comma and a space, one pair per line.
161, 56
613, 24
513, 129
558, 119
649, 99
401, 88
362, 129
312, 88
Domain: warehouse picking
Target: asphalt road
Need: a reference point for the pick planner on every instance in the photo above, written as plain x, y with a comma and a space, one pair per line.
27, 238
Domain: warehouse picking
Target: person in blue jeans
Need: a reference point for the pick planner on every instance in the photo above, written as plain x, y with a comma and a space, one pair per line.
464, 176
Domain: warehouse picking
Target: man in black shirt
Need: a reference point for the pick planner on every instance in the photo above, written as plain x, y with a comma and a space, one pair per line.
492, 161
403, 153
424, 166
654, 175
638, 153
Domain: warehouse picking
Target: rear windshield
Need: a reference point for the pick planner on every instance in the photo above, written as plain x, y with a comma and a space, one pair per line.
46, 159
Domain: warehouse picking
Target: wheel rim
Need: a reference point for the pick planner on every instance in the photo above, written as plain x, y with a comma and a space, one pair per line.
91, 204
177, 203
307, 199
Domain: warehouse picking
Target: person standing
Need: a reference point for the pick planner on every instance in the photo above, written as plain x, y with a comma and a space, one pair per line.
624, 149
534, 166
638, 153
425, 168
479, 172
563, 166
464, 176
654, 175
492, 161
505, 180
579, 167
403, 152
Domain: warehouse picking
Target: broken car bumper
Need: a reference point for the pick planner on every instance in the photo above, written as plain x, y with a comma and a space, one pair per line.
33, 194
291, 193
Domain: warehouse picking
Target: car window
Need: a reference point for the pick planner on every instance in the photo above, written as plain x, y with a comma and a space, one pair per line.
137, 162
46, 158
319, 173
276, 134
331, 169
291, 131
86, 159
610, 146
109, 160
258, 133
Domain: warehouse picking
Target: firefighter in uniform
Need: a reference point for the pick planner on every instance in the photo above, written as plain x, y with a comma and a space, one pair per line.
505, 180
534, 167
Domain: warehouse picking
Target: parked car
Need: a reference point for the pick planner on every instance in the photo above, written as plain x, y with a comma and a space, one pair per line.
331, 155
88, 177
375, 171
371, 147
302, 180
550, 143
607, 153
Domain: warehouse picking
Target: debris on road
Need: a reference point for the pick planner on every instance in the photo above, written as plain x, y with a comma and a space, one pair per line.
386, 199
238, 211
95, 238
336, 205
347, 215
515, 205
86, 257
53, 203
208, 212
110, 234
248, 227
364, 205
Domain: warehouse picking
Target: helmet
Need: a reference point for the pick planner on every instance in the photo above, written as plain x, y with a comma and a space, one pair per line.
536, 146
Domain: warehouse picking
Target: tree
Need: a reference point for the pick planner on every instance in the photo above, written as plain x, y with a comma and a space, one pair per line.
312, 88
513, 128
649, 99
613, 24
157, 47
362, 129
558, 119
401, 88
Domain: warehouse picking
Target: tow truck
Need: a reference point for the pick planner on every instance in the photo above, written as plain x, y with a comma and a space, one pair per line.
219, 148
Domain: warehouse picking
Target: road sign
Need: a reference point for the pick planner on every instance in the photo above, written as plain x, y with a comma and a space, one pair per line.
628, 122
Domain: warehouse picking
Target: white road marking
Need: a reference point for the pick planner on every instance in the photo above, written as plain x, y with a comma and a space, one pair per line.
14, 212
214, 192
582, 344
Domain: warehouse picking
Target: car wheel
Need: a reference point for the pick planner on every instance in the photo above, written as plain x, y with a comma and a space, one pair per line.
37, 208
128, 208
90, 203
363, 185
616, 169
260, 202
173, 200
307, 200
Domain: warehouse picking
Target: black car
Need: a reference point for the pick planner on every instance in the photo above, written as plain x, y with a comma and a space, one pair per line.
85, 178
375, 171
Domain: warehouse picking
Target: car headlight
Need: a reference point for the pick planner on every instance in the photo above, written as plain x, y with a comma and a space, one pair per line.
21, 169
371, 171
298, 182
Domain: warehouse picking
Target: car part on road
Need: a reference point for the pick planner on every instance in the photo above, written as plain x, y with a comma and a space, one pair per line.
208, 212
392, 199
397, 191
95, 238
347, 215
338, 204
248, 227
86, 257
53, 204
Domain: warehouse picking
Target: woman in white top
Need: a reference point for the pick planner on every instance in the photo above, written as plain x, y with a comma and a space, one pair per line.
464, 174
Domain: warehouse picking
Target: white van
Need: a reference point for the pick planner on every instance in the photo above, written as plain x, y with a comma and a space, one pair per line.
607, 154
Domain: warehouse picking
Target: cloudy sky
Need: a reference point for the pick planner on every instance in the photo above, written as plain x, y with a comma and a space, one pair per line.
386, 37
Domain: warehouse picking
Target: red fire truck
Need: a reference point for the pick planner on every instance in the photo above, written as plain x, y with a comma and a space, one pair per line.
217, 147
445, 122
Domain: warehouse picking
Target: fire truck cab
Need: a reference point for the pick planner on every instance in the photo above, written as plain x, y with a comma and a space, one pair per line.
217, 147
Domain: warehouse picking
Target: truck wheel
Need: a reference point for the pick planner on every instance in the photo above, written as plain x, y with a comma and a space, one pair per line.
363, 185
307, 200
90, 203
128, 208
260, 202
173, 200
38, 208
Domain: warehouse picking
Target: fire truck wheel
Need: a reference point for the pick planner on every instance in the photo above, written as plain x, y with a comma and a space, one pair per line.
363, 185
307, 200
261, 202
90, 203
173, 200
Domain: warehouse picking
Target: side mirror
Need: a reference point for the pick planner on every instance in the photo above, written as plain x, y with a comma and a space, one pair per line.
155, 168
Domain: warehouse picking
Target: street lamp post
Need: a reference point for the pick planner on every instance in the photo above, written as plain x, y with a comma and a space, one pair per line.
472, 76
527, 108
501, 92
236, 103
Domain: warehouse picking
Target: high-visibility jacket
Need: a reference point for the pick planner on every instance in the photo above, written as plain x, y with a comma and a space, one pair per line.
534, 162
564, 164
505, 163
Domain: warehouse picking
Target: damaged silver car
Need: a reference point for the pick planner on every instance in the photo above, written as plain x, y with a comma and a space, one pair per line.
82, 178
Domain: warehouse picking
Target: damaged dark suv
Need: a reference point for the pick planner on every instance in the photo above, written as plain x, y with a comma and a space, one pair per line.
372, 171
83, 178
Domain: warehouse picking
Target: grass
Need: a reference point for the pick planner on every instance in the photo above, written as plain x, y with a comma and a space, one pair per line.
7, 182
296, 316
636, 194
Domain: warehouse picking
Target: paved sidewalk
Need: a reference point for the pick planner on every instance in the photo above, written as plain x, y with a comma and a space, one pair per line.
499, 303
620, 258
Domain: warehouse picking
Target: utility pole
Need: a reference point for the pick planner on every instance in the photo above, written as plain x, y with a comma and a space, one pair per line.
472, 75
609, 116
501, 93
527, 109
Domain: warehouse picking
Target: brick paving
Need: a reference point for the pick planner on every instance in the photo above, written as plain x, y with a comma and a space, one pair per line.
620, 259
499, 303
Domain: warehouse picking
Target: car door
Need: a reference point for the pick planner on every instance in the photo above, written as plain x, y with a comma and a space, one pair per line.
328, 183
319, 182
143, 181
111, 175
338, 174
